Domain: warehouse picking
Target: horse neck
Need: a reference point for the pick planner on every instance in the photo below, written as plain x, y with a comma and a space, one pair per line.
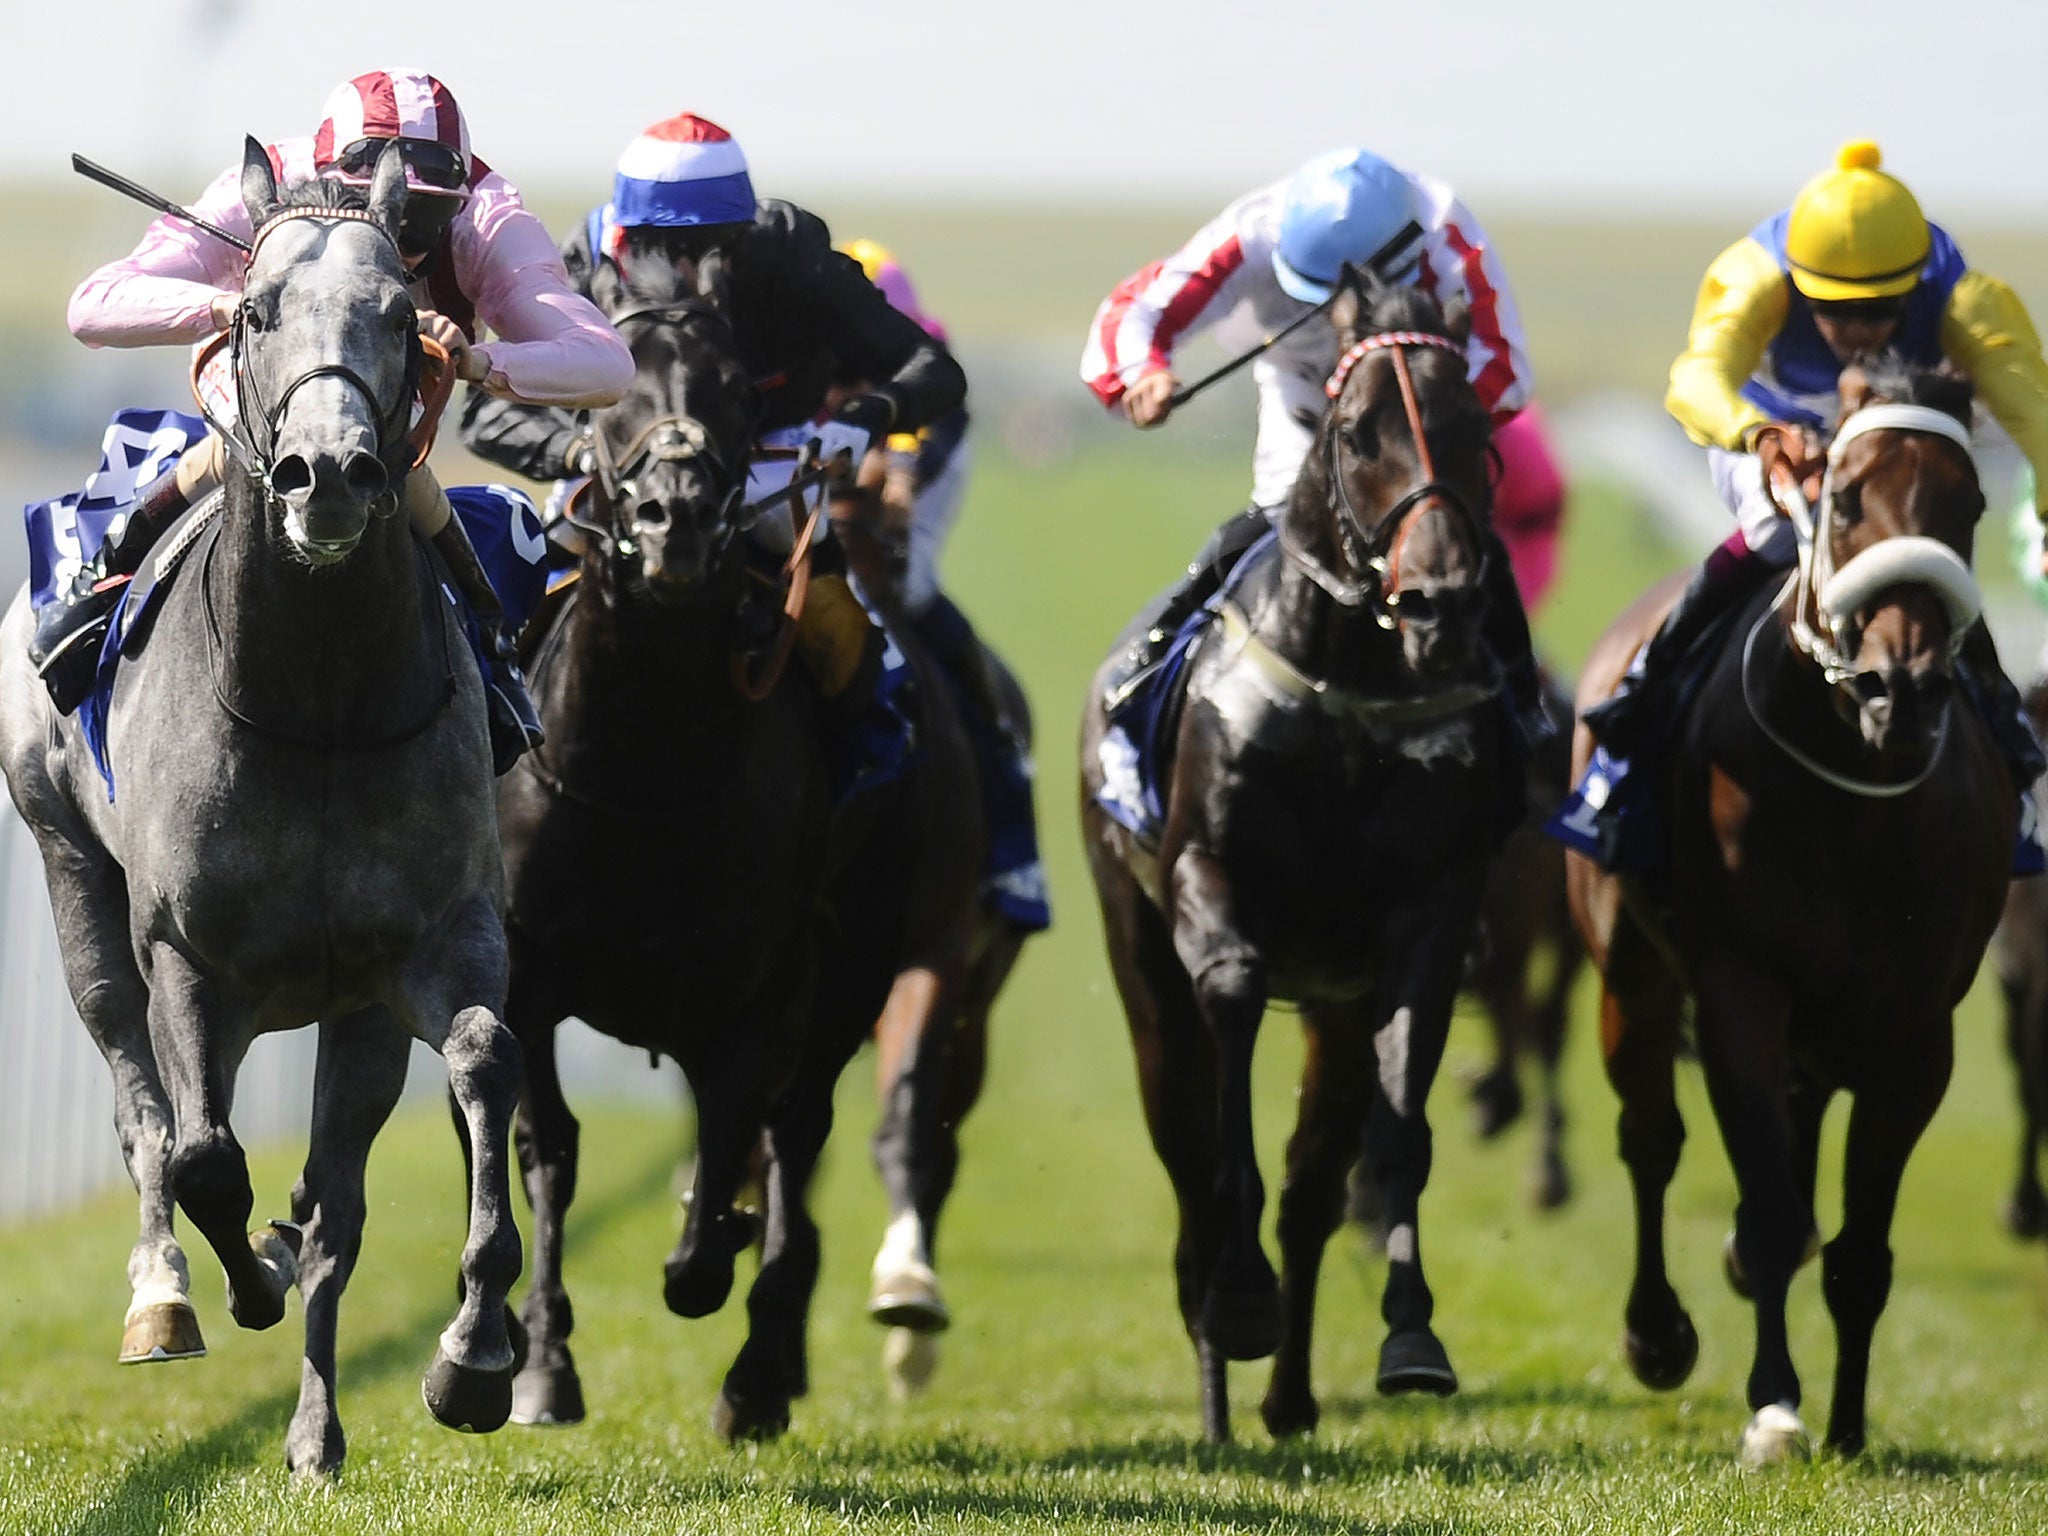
627, 664
329, 654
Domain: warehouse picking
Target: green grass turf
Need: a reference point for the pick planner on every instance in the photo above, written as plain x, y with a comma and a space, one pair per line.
1066, 1395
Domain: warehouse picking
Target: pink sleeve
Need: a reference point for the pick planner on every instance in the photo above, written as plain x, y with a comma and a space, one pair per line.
552, 345
1531, 489
1461, 264
162, 292
1151, 311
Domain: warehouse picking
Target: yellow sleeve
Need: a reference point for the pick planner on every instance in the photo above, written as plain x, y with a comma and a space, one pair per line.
1741, 306
1985, 332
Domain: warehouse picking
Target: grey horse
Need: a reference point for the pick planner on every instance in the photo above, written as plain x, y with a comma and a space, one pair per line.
301, 826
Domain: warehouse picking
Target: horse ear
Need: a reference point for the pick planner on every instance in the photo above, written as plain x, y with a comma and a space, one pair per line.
714, 281
1350, 308
259, 182
1458, 319
387, 188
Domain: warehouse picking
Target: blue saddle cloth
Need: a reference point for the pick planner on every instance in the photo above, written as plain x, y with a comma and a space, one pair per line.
139, 446
1136, 752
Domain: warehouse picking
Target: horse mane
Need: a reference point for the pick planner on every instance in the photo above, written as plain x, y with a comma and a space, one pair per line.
1405, 309
1892, 378
323, 192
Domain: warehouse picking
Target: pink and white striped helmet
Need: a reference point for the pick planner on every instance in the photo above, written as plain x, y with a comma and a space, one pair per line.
406, 104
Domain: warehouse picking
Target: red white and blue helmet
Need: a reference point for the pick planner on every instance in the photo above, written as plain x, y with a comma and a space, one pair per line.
408, 105
684, 170
1348, 206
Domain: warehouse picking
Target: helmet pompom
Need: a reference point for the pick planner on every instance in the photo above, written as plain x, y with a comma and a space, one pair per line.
1858, 155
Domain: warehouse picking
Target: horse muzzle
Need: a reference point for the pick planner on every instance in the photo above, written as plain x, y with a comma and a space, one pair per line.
328, 499
1438, 622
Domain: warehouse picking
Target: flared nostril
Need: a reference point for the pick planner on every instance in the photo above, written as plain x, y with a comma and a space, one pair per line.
291, 475
365, 475
652, 515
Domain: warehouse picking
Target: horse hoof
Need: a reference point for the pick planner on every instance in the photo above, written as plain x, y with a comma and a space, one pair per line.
545, 1396
1414, 1361
2026, 1214
275, 1246
465, 1398
734, 1419
698, 1288
1496, 1103
909, 1298
1242, 1325
1290, 1414
1553, 1186
313, 1453
1663, 1364
164, 1330
1773, 1437
909, 1356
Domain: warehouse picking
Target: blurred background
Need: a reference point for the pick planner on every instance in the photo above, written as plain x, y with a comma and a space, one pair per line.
1021, 161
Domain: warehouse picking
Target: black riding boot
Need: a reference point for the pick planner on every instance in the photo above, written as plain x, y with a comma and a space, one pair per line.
1205, 574
2003, 711
1638, 711
515, 723
66, 645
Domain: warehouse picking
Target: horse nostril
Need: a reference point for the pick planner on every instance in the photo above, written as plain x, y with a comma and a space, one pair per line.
365, 475
651, 514
1418, 607
291, 475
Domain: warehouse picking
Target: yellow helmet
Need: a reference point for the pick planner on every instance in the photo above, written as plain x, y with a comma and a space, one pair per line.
1855, 233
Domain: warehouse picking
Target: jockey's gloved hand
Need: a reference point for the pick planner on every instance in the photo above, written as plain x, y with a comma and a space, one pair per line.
871, 415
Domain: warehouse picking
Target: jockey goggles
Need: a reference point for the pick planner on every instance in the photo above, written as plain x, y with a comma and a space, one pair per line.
1867, 311
430, 166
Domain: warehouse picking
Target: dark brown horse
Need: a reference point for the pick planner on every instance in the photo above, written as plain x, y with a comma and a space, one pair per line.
928, 1070
1839, 832
683, 878
1328, 819
2021, 949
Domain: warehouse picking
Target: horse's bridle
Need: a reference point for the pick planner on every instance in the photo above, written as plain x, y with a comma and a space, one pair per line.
398, 448
675, 438
1375, 549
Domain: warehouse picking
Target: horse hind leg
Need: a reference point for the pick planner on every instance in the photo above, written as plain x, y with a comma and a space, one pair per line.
548, 1389
357, 1083
915, 1148
1639, 1018
2026, 1035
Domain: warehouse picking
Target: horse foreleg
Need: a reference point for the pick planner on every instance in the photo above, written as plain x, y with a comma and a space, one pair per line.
199, 1041
727, 1086
771, 1369
358, 1080
453, 1003
1742, 1026
1335, 1082
1241, 1310
1418, 955
1885, 1123
547, 1389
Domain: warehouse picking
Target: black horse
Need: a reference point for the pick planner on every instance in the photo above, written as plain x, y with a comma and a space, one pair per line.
304, 825
683, 877
1333, 800
1841, 833
2021, 951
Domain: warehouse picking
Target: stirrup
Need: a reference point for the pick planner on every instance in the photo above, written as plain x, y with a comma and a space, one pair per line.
1142, 662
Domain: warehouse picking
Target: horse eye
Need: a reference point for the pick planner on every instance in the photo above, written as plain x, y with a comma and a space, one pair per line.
1849, 504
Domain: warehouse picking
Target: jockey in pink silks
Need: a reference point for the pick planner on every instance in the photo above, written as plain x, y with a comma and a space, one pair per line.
479, 263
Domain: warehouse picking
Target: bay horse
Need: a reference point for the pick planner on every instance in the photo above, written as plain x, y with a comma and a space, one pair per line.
1839, 834
304, 827
682, 876
928, 1079
1329, 816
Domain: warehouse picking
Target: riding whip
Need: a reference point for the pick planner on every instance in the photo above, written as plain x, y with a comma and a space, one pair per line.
142, 194
1188, 392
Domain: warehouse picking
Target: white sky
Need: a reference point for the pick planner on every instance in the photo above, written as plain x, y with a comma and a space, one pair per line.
1567, 105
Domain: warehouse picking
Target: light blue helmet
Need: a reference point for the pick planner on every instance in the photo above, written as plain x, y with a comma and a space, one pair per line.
1346, 206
